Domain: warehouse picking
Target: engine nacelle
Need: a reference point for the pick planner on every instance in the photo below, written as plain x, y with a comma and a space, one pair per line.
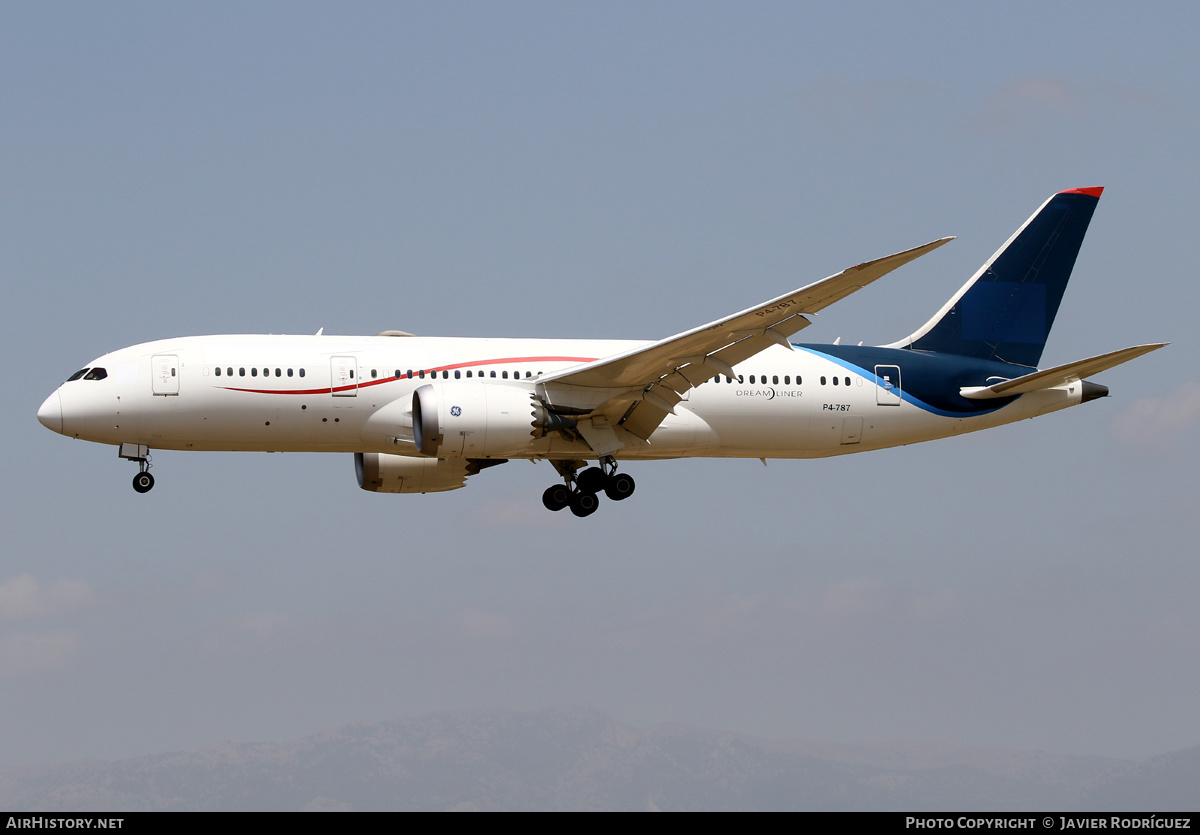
382, 473
477, 420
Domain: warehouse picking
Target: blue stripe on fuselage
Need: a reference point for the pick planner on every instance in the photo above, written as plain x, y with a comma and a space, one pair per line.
927, 381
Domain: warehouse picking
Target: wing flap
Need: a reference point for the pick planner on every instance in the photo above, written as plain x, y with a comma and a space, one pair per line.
644, 418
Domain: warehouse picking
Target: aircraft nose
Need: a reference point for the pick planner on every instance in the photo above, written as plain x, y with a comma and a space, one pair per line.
50, 413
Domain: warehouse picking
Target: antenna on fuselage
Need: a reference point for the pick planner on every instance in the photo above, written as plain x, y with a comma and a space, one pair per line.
320, 331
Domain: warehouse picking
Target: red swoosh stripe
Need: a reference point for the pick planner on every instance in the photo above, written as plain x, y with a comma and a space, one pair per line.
473, 364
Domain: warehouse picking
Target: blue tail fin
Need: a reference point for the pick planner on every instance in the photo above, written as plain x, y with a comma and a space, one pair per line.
1006, 310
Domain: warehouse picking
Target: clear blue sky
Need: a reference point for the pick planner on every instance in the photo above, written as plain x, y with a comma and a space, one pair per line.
623, 170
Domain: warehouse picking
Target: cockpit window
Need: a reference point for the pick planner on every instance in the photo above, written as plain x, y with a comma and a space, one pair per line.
77, 375
96, 374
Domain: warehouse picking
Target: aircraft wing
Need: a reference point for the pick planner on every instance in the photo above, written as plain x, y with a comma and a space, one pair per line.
656, 376
1059, 375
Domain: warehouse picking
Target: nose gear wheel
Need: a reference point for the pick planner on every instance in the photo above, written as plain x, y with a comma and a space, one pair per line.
143, 481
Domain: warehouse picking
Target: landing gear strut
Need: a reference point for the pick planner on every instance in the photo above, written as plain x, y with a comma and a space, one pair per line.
580, 489
143, 481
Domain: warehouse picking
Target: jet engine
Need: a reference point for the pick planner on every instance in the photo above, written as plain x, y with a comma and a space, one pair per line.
479, 420
382, 473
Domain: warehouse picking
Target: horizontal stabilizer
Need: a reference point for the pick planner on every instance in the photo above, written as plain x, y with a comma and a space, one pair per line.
1059, 375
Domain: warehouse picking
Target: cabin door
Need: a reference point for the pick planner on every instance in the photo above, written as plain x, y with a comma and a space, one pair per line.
887, 385
164, 374
345, 376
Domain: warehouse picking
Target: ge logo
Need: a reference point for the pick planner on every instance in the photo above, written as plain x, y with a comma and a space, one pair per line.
455, 410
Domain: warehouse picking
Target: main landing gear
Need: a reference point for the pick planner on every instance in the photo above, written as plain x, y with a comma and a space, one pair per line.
581, 490
143, 481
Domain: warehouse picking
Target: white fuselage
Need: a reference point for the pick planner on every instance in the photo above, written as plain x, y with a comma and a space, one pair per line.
349, 394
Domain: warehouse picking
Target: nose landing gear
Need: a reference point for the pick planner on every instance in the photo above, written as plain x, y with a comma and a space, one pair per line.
580, 490
143, 481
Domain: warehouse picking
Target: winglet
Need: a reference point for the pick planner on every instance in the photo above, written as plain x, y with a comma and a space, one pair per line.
1091, 191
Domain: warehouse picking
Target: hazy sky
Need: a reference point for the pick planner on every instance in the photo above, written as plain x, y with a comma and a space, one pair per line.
624, 170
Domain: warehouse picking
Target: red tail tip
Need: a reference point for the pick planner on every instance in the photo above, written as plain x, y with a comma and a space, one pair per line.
1094, 191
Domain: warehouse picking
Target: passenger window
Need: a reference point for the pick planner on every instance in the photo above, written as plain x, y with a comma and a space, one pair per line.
218, 371
374, 373
278, 372
787, 380
228, 372
504, 374
445, 375
457, 374
847, 381
835, 381
421, 374
493, 373
822, 381
301, 372
241, 372
289, 372
751, 379
253, 372
775, 380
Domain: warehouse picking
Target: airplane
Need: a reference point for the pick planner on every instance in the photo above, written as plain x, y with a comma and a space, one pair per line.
424, 414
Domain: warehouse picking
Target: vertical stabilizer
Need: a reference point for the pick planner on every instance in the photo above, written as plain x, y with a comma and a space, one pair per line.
1007, 308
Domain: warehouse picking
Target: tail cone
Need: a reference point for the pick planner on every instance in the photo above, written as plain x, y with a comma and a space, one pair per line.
1093, 391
